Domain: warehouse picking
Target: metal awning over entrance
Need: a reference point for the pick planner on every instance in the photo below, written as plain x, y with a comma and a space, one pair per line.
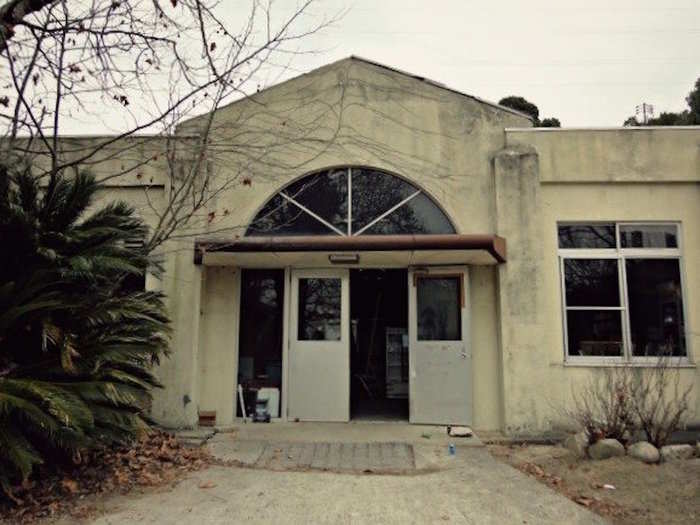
361, 250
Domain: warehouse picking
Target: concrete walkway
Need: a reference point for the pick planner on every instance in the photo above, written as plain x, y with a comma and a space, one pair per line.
360, 448
385, 458
353, 432
470, 487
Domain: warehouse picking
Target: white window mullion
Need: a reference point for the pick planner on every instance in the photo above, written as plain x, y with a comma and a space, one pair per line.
602, 308
624, 300
315, 216
387, 212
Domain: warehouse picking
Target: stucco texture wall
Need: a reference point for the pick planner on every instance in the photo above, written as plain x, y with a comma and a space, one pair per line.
614, 185
355, 113
358, 114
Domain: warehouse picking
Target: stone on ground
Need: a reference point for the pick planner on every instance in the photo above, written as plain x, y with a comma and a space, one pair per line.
644, 451
676, 452
577, 444
606, 448
460, 432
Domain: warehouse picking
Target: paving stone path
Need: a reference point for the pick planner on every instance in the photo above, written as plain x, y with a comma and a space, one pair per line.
338, 457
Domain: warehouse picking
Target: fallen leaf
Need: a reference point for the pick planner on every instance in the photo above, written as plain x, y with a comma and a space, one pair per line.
582, 500
70, 485
207, 485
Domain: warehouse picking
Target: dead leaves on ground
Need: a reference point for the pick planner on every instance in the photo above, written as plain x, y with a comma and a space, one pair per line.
154, 460
602, 506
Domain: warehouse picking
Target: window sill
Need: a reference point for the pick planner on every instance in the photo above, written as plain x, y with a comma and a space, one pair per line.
684, 363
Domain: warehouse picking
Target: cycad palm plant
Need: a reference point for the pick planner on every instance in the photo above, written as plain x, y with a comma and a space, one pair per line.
77, 344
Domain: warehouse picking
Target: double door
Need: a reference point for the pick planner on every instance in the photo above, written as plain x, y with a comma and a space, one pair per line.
440, 385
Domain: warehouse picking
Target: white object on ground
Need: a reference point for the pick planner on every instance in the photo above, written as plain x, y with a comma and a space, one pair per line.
272, 396
460, 432
240, 400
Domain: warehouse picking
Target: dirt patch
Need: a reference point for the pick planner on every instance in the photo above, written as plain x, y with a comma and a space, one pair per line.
668, 493
72, 491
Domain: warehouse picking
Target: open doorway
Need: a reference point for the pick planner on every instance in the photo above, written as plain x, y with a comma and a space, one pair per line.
379, 344
260, 340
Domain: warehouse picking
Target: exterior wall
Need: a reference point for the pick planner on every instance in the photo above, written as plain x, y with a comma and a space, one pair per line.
365, 115
218, 362
355, 113
643, 154
626, 175
516, 184
486, 362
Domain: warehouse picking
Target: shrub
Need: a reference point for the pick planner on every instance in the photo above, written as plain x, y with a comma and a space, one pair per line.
76, 342
660, 405
622, 399
603, 407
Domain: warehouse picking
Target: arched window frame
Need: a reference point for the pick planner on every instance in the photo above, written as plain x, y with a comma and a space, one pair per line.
332, 229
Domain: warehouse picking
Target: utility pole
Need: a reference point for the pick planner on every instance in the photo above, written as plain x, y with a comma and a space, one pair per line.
646, 110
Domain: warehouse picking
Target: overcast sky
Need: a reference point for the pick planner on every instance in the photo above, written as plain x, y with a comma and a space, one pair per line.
587, 62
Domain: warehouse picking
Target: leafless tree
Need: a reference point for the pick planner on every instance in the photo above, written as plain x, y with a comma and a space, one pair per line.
138, 66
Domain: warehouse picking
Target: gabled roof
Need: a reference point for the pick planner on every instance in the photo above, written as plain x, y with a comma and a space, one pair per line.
436, 84
356, 58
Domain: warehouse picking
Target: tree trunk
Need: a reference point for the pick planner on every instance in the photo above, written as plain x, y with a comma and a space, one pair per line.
12, 12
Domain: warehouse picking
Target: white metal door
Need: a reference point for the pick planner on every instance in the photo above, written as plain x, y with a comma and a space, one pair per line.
440, 382
319, 346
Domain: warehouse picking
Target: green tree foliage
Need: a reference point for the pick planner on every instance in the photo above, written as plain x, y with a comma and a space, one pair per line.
76, 343
687, 117
522, 105
693, 101
551, 122
527, 107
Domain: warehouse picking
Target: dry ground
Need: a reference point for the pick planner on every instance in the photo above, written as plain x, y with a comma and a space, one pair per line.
668, 493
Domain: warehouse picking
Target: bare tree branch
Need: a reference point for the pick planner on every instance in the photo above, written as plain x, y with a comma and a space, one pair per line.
13, 12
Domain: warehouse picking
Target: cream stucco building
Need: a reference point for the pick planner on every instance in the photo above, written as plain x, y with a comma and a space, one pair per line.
377, 245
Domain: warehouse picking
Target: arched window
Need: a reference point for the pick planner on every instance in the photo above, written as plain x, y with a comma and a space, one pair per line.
350, 201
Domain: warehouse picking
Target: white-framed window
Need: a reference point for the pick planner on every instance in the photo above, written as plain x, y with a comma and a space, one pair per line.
622, 291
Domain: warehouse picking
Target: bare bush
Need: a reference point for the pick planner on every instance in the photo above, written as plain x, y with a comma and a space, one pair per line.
661, 406
603, 408
626, 398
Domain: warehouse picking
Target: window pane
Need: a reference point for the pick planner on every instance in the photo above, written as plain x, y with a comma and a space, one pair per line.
325, 194
319, 309
439, 309
594, 332
587, 236
656, 307
648, 236
374, 193
419, 215
591, 282
281, 217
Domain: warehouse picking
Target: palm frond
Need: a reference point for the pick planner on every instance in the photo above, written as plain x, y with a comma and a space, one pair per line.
76, 345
